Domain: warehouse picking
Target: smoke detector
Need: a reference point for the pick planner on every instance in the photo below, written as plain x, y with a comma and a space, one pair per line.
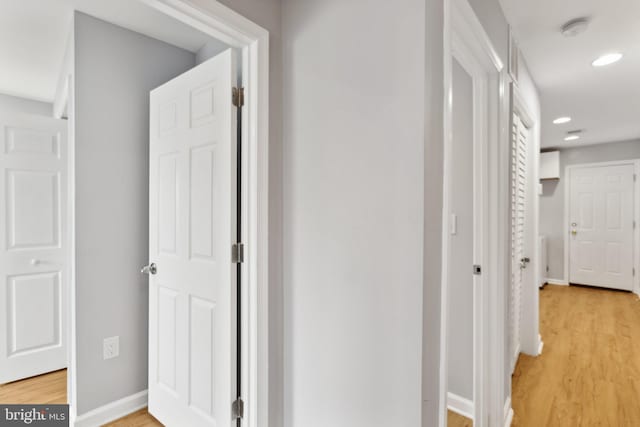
574, 27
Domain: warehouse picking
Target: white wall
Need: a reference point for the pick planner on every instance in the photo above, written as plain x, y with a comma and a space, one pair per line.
432, 204
114, 71
14, 104
460, 327
552, 199
354, 128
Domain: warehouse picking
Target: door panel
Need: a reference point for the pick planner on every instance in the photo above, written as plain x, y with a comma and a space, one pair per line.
601, 204
192, 330
33, 253
519, 147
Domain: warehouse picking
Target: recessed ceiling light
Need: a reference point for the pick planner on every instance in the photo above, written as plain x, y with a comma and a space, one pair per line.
572, 137
561, 120
607, 59
574, 27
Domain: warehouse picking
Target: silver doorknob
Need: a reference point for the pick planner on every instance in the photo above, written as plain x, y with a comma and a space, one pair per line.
524, 261
149, 269
35, 262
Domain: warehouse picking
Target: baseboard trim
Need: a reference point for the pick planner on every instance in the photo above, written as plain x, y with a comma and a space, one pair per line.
540, 344
460, 405
556, 282
112, 411
508, 412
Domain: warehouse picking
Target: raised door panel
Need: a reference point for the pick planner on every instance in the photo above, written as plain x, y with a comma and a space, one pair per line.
33, 209
35, 318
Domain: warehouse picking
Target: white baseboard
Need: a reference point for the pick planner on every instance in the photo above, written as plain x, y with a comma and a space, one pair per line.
508, 412
112, 411
551, 281
540, 345
460, 405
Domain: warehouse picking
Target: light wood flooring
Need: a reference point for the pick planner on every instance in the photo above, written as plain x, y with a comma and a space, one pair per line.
588, 374
43, 389
456, 420
589, 370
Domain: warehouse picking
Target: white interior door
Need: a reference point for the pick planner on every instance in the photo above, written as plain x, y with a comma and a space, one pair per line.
192, 214
34, 244
519, 148
601, 217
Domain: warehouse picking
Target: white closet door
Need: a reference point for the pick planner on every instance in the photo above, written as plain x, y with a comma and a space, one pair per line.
34, 262
192, 217
601, 226
518, 222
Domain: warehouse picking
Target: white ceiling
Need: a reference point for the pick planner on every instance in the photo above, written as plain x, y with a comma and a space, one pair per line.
33, 36
605, 101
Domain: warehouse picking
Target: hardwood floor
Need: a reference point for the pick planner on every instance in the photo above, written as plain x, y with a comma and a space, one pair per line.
43, 389
589, 371
141, 418
456, 420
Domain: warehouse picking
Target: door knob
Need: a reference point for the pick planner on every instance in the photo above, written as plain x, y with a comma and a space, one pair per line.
524, 261
574, 232
35, 262
149, 269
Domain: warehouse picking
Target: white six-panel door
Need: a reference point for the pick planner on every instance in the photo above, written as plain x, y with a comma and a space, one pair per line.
192, 306
33, 246
601, 215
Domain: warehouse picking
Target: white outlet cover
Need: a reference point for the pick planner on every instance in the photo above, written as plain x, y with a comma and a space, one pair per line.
111, 348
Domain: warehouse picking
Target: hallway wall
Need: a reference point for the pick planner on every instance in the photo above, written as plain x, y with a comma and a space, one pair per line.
354, 135
553, 195
115, 69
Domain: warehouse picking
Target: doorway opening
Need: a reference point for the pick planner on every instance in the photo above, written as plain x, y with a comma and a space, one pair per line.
162, 40
473, 261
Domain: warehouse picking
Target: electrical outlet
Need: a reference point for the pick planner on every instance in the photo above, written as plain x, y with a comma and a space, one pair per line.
111, 348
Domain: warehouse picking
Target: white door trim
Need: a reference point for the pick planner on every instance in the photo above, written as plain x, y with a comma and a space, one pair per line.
636, 215
466, 40
232, 28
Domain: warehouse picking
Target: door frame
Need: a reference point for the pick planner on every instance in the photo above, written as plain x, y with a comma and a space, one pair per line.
228, 26
636, 215
466, 40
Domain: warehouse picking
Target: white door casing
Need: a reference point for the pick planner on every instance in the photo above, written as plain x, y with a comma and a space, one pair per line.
519, 149
34, 259
192, 298
601, 222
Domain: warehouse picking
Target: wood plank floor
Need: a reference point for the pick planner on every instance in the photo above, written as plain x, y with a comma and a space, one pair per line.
43, 389
456, 420
589, 371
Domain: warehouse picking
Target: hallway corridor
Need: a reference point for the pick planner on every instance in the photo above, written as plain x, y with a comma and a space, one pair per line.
589, 370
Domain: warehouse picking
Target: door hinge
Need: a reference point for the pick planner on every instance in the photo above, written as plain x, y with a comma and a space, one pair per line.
634, 177
237, 409
634, 271
477, 270
237, 96
237, 253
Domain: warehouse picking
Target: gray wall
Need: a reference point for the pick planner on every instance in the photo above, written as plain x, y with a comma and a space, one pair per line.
460, 327
14, 104
552, 199
354, 128
432, 221
114, 71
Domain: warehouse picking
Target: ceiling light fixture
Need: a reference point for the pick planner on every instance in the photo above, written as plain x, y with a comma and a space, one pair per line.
572, 137
607, 59
575, 27
561, 120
